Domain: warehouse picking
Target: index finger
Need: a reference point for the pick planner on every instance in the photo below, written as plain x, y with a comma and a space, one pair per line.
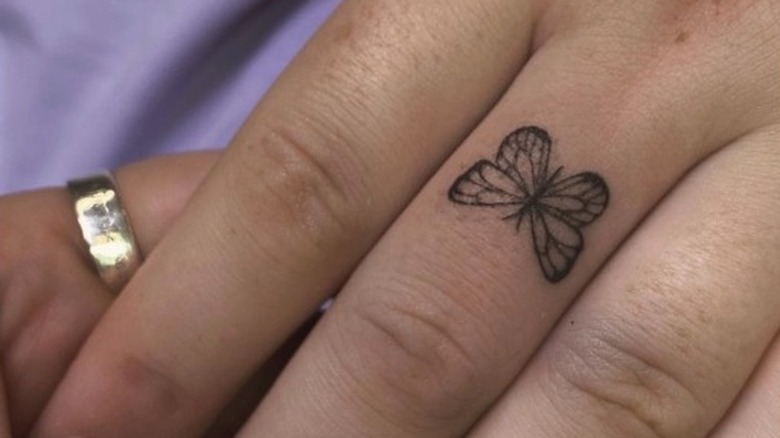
332, 154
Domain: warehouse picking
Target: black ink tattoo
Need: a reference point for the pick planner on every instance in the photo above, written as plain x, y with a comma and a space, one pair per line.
558, 207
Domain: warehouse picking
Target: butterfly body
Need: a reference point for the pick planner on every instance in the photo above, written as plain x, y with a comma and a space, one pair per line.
531, 201
558, 207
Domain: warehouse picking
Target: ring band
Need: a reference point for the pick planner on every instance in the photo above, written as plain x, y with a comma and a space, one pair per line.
106, 228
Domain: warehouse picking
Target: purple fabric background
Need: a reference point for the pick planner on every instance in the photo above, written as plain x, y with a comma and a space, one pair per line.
90, 84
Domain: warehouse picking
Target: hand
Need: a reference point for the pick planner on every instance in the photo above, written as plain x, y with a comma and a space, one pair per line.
155, 191
46, 314
50, 295
448, 309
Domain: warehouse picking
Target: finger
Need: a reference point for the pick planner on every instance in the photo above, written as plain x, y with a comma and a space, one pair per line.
51, 296
664, 339
339, 145
235, 413
155, 191
447, 308
755, 413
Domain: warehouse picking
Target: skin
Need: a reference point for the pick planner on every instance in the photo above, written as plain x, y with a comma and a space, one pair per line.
152, 191
613, 370
46, 314
5, 422
445, 314
753, 415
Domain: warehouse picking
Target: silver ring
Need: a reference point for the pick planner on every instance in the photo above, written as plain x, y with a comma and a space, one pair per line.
106, 228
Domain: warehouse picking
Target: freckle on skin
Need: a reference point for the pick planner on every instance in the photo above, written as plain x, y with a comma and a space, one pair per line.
343, 33
717, 6
682, 37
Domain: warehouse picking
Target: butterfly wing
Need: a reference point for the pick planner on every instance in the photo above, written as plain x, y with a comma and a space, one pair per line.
557, 216
578, 199
557, 243
487, 185
524, 155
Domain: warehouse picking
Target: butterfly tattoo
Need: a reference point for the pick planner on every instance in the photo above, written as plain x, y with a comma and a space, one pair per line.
557, 207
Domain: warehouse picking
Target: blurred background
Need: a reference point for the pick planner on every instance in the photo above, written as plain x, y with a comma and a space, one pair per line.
87, 85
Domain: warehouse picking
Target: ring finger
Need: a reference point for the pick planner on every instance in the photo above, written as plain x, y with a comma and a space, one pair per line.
664, 339
755, 413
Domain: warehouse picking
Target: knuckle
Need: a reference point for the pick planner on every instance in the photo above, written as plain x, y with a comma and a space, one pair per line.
36, 266
133, 391
150, 385
430, 358
25, 272
639, 395
292, 174
33, 240
32, 261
